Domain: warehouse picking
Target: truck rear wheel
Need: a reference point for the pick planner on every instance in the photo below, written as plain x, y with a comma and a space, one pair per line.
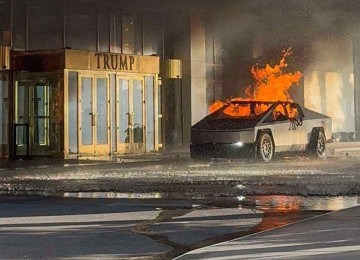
317, 144
265, 147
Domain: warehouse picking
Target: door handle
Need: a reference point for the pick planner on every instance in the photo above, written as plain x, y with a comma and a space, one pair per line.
130, 119
92, 119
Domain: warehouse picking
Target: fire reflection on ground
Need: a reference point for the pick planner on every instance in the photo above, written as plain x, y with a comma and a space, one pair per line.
280, 210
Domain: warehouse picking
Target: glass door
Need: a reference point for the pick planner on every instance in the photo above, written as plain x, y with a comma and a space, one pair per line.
93, 115
40, 115
4, 115
32, 116
130, 114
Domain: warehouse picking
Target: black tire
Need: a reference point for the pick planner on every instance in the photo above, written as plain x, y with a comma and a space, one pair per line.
318, 144
265, 147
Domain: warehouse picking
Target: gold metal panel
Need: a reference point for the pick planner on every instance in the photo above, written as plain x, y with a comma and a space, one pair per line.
149, 64
77, 60
173, 69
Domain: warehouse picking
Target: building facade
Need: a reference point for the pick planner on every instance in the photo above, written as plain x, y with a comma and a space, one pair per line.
85, 78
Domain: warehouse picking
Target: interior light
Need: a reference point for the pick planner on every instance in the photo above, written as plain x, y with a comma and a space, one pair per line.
239, 144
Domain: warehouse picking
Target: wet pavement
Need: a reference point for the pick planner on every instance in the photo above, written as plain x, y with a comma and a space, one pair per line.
179, 177
82, 226
335, 235
158, 207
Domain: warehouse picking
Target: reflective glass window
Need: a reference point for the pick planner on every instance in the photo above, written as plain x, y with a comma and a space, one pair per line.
101, 111
4, 109
86, 111
45, 24
115, 30
123, 103
73, 112
80, 25
103, 24
19, 25
138, 110
41, 112
5, 22
132, 34
152, 34
150, 117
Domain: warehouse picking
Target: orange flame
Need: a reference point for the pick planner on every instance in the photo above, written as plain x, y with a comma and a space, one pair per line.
270, 84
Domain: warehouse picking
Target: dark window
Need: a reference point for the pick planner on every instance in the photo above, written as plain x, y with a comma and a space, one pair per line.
19, 24
152, 34
115, 30
132, 33
176, 37
45, 24
80, 25
214, 65
103, 25
5, 22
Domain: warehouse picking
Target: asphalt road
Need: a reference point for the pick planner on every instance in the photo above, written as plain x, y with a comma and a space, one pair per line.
330, 236
177, 205
39, 227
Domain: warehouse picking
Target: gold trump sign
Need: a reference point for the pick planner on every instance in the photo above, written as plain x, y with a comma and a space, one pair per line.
111, 62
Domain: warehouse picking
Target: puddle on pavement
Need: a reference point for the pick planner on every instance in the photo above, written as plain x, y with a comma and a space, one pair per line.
278, 203
281, 203
112, 195
283, 210
277, 210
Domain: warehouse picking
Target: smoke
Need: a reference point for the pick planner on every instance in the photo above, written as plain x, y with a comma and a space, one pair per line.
320, 33
324, 36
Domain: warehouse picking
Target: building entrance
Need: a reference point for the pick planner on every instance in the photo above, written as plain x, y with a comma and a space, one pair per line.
94, 129
73, 103
32, 97
110, 112
130, 111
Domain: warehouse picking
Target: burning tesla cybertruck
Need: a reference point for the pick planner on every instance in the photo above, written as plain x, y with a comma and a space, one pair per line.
262, 129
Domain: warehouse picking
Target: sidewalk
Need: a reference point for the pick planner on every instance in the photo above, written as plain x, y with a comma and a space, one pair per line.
351, 149
334, 235
41, 162
348, 149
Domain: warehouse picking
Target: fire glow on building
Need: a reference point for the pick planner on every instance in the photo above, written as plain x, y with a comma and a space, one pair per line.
271, 83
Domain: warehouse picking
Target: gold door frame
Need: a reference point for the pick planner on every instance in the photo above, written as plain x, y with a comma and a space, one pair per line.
122, 147
113, 133
93, 149
138, 147
131, 146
